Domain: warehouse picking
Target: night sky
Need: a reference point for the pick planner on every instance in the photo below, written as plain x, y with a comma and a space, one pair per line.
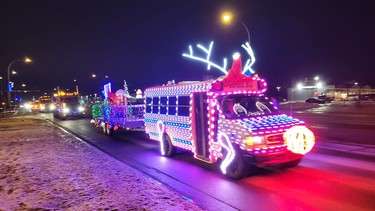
142, 41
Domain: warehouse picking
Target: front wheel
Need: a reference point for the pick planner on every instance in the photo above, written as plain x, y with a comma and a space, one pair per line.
105, 129
237, 168
109, 130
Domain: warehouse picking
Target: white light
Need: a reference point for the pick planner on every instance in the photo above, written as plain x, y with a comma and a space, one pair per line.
160, 128
28, 106
227, 145
299, 139
319, 85
258, 139
80, 108
207, 59
65, 110
316, 78
236, 56
299, 86
208, 52
52, 107
250, 61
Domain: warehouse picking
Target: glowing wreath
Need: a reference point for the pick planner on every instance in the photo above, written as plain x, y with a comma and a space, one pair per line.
299, 139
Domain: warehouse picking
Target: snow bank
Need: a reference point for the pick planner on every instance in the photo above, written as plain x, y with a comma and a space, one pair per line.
42, 167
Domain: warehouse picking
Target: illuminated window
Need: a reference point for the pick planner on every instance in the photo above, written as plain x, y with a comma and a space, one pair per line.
148, 104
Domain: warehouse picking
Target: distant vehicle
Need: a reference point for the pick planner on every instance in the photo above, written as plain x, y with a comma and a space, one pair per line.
68, 105
35, 105
326, 99
365, 97
315, 100
46, 104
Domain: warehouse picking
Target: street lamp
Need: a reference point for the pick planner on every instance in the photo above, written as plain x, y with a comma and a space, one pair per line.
1, 91
227, 17
26, 60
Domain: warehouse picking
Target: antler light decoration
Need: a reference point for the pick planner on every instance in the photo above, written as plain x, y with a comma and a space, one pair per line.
250, 61
207, 59
223, 68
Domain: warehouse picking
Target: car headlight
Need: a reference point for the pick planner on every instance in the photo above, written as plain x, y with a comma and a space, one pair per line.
254, 140
65, 110
80, 109
52, 107
28, 106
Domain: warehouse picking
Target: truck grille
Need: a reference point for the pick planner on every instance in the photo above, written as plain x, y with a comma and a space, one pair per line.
275, 139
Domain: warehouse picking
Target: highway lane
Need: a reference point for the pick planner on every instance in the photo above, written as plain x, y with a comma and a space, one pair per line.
321, 181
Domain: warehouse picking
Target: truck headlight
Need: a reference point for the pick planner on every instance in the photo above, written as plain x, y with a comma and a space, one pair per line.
80, 108
65, 110
254, 140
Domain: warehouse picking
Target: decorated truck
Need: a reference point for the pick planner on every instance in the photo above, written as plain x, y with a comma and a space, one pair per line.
228, 121
67, 105
46, 104
119, 111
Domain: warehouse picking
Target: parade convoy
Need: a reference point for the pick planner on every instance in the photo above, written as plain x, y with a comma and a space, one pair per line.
228, 121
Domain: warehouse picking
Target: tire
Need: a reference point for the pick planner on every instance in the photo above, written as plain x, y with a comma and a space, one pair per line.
238, 168
105, 129
292, 163
109, 131
169, 149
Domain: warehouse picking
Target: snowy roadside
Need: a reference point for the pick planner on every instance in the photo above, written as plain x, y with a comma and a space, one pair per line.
44, 168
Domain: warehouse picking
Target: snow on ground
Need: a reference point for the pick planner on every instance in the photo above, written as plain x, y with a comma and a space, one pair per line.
44, 168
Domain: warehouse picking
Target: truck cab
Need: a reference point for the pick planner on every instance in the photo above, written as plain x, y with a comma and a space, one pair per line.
67, 105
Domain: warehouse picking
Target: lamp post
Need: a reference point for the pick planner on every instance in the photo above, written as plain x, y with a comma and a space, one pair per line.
227, 18
1, 91
26, 60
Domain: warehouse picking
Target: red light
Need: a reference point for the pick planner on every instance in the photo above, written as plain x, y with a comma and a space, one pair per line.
217, 86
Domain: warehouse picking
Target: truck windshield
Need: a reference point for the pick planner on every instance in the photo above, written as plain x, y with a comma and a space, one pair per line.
240, 106
71, 100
